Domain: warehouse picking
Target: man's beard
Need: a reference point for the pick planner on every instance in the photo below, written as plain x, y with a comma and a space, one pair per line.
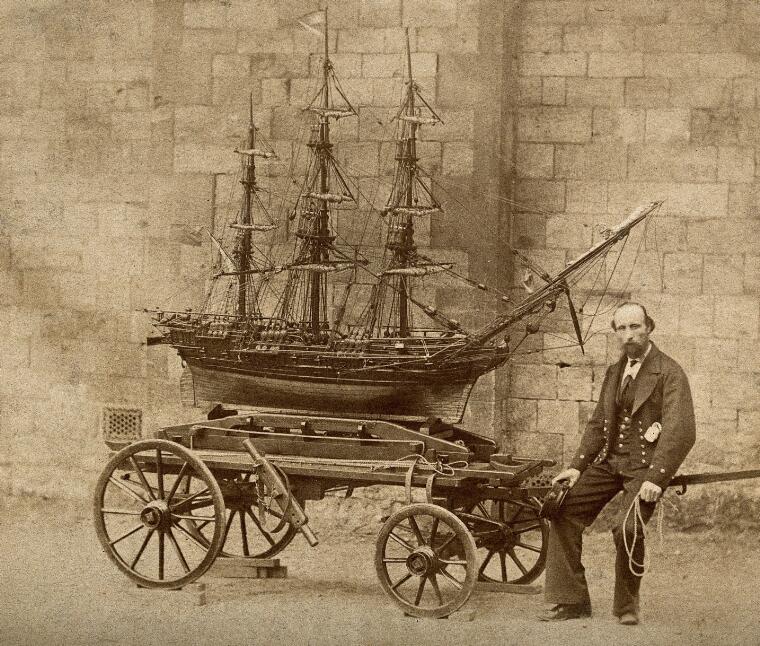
633, 349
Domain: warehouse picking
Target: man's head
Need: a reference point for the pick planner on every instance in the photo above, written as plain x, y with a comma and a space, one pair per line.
632, 326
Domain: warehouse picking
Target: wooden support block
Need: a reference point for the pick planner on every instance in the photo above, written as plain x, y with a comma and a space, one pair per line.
514, 588
248, 568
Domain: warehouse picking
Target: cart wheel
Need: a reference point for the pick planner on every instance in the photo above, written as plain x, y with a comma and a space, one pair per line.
146, 498
413, 566
510, 537
245, 535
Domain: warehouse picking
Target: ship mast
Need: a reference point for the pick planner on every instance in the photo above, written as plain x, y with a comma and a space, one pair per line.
410, 197
242, 264
323, 147
244, 244
406, 245
304, 300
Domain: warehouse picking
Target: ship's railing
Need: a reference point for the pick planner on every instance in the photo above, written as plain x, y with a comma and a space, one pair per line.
357, 331
369, 349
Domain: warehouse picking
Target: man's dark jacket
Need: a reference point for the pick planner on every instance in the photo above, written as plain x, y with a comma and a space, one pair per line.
662, 395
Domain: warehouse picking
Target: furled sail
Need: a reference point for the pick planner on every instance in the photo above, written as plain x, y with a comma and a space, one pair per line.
418, 270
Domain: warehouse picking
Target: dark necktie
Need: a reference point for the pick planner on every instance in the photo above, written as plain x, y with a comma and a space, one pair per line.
628, 379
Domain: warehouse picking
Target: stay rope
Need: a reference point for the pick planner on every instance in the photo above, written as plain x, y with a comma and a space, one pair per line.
376, 465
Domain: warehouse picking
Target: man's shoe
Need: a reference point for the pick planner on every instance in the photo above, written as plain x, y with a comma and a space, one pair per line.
564, 611
628, 619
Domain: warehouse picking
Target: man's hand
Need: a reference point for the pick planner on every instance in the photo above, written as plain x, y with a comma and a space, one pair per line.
649, 491
568, 475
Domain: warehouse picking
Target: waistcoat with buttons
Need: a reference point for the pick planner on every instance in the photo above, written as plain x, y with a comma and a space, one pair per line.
626, 440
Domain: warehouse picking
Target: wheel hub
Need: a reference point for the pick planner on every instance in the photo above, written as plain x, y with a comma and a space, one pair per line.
155, 514
507, 535
422, 561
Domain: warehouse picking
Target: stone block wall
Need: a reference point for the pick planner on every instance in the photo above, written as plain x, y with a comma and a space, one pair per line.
117, 121
619, 104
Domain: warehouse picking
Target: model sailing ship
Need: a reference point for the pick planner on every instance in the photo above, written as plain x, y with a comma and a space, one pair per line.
304, 354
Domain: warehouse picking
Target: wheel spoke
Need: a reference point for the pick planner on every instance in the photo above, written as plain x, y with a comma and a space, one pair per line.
142, 549
177, 482
401, 541
480, 520
433, 530
208, 519
528, 528
160, 555
420, 588
227, 526
434, 583
525, 546
443, 545
128, 490
141, 476
129, 533
121, 512
402, 580
160, 474
190, 499
244, 535
416, 529
274, 512
453, 562
263, 532
177, 550
457, 584
485, 563
194, 539
503, 561
514, 515
516, 559
394, 559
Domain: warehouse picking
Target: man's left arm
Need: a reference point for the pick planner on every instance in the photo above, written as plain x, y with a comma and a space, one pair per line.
678, 432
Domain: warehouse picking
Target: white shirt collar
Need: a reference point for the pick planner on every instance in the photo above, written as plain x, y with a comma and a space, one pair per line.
633, 370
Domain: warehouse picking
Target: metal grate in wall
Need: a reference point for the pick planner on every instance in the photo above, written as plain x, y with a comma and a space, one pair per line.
121, 423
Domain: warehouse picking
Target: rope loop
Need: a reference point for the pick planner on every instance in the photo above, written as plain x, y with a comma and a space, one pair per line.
636, 568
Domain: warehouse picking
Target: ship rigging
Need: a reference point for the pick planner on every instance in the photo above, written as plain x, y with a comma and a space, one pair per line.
280, 336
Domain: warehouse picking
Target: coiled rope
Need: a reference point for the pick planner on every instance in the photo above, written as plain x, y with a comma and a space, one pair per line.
636, 568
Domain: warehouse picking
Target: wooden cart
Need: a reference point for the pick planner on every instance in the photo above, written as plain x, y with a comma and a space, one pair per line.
166, 508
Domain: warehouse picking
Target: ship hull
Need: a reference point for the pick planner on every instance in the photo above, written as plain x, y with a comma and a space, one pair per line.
390, 395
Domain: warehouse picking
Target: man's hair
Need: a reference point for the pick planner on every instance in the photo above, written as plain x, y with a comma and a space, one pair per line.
648, 320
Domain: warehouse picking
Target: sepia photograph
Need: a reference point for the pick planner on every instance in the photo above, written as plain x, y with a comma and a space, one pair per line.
380, 322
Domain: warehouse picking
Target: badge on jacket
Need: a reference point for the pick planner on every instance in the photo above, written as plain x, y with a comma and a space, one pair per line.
653, 432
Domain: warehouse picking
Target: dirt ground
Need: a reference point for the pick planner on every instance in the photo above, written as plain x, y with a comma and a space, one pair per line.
59, 588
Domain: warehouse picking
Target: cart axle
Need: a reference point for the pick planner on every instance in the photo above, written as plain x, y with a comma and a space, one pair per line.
156, 514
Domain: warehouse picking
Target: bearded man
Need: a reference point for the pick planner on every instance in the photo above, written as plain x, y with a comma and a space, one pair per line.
639, 434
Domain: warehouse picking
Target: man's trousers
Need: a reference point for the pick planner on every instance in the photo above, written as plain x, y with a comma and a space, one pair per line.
565, 576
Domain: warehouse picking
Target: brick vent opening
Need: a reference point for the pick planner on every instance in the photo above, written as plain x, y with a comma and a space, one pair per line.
121, 423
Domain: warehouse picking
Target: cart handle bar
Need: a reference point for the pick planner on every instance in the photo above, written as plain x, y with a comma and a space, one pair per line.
703, 478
